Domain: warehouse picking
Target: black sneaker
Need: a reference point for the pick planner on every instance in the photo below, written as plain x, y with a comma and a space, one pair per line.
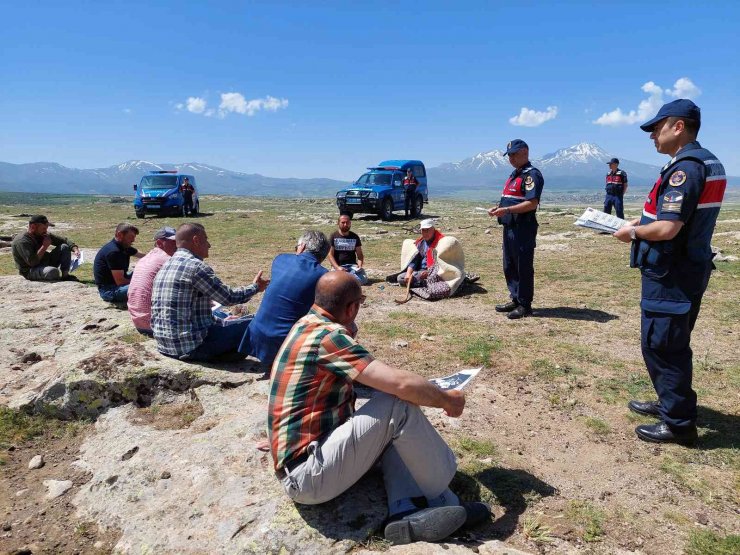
519, 312
507, 307
427, 525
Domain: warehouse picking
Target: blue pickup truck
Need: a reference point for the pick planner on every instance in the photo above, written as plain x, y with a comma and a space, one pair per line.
158, 192
380, 190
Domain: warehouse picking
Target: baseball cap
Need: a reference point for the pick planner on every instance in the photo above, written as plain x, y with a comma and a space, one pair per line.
682, 108
515, 146
39, 219
613, 161
426, 224
165, 233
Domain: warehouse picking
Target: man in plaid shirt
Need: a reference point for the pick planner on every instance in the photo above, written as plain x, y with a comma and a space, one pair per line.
182, 320
321, 446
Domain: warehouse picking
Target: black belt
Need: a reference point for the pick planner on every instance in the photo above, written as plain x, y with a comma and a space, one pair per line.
291, 465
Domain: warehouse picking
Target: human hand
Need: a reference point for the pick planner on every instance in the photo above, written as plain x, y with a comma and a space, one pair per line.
492, 211
261, 283
455, 403
497, 212
46, 241
76, 251
424, 275
623, 233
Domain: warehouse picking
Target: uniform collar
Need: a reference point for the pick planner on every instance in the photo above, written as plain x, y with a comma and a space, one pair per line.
526, 166
689, 146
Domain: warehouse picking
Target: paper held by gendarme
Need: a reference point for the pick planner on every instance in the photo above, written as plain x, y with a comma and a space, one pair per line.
599, 221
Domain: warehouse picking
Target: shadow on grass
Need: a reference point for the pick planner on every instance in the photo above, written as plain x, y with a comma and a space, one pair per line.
723, 429
569, 313
468, 288
513, 489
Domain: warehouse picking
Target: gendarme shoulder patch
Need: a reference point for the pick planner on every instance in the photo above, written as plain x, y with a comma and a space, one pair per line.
672, 202
678, 178
528, 183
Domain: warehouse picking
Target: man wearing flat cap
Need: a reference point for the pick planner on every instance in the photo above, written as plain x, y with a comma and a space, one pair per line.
32, 256
616, 187
516, 212
671, 246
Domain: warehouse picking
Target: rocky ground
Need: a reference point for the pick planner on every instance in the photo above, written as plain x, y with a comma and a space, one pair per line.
142, 453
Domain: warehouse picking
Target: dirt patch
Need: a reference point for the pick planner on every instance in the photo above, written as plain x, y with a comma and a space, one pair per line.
28, 519
108, 363
171, 415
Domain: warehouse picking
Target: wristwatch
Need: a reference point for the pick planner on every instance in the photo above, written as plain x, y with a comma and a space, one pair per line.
633, 233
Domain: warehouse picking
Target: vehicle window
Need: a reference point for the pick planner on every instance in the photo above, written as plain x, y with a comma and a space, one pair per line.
419, 171
159, 181
363, 179
379, 179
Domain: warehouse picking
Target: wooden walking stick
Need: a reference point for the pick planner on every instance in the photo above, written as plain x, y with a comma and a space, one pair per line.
408, 294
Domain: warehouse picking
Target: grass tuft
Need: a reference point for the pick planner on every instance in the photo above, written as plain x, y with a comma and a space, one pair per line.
707, 542
588, 518
597, 425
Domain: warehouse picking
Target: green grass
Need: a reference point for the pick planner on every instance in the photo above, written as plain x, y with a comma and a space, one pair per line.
707, 542
18, 427
588, 518
597, 425
477, 447
477, 351
686, 477
534, 530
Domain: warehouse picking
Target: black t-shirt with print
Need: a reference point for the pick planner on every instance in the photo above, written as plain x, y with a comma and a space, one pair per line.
344, 247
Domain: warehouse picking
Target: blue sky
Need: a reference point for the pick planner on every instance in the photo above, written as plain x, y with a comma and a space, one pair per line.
309, 89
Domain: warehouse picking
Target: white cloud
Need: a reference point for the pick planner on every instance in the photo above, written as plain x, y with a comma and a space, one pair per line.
235, 102
196, 105
648, 107
684, 88
532, 118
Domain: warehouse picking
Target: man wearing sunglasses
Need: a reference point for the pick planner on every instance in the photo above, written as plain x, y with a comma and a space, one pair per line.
321, 446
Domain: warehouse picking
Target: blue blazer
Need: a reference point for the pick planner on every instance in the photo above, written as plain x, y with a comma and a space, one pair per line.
288, 298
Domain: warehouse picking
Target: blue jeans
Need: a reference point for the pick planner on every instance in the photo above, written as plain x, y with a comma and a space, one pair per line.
356, 271
113, 293
220, 340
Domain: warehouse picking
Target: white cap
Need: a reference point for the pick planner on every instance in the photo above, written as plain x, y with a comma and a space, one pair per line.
426, 224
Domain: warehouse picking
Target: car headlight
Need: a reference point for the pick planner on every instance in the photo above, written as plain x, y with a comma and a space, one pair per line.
373, 194
341, 194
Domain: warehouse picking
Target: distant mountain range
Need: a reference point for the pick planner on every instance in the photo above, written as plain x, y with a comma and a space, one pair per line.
578, 167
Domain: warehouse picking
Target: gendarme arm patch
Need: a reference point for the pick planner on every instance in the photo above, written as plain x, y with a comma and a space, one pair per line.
678, 178
528, 183
672, 202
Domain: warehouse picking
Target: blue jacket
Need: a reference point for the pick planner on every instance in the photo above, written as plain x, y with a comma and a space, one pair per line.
288, 298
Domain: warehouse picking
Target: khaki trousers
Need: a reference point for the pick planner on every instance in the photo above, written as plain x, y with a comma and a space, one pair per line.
416, 461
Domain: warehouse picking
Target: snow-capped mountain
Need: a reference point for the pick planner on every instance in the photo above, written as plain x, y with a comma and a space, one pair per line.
576, 167
50, 177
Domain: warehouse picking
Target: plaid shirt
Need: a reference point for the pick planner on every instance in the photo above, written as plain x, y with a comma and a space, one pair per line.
311, 385
181, 302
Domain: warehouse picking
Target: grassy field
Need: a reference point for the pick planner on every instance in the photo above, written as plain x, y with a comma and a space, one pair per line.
546, 436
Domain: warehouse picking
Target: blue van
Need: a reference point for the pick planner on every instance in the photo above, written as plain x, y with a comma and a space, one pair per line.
380, 190
158, 192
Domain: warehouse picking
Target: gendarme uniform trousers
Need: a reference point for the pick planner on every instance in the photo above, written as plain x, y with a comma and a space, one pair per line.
675, 274
520, 233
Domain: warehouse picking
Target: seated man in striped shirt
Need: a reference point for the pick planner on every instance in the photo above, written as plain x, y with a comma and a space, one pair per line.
321, 446
182, 321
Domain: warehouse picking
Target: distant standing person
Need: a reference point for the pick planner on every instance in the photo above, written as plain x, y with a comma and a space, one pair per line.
616, 187
517, 213
409, 184
31, 252
187, 196
110, 268
671, 244
140, 288
345, 253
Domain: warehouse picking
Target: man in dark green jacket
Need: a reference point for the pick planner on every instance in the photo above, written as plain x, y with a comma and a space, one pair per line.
31, 252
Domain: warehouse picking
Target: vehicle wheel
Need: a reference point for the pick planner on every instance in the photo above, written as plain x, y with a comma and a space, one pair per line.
386, 213
140, 215
418, 205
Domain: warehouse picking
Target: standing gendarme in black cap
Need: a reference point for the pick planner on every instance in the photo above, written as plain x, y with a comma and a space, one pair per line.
671, 246
516, 212
616, 187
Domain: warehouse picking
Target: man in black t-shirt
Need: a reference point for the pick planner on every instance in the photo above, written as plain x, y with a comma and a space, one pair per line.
345, 254
110, 268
